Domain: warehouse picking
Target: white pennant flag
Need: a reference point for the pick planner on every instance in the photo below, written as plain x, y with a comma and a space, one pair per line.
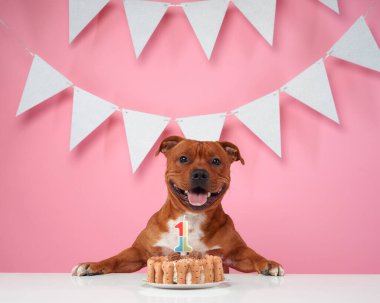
262, 117
358, 46
81, 12
312, 88
143, 18
89, 111
42, 83
206, 18
261, 14
202, 128
332, 4
142, 132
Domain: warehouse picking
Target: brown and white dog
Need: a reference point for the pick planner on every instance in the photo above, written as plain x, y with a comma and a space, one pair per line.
197, 177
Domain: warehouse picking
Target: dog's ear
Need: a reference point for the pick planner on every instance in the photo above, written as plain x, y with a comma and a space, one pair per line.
232, 150
168, 144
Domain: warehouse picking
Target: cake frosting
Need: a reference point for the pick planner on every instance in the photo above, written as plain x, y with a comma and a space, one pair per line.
189, 269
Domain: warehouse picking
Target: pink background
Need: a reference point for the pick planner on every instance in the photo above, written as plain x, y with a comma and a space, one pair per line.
315, 211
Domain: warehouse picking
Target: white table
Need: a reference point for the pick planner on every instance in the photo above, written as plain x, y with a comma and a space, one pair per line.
128, 288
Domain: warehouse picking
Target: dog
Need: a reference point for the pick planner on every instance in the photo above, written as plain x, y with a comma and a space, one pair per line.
197, 177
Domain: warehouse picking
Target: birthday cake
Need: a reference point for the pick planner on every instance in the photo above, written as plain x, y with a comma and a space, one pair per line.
189, 269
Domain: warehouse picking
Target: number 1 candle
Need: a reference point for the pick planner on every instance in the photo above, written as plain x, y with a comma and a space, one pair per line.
183, 232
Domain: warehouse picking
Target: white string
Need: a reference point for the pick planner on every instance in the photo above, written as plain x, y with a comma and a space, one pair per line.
328, 54
227, 114
370, 8
175, 5
15, 37
123, 110
182, 4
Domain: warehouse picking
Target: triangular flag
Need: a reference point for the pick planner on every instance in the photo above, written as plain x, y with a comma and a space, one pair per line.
262, 117
42, 83
358, 46
142, 132
332, 4
261, 14
206, 18
143, 18
312, 88
81, 12
202, 128
89, 111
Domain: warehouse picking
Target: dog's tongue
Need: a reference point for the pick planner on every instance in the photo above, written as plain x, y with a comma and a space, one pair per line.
197, 199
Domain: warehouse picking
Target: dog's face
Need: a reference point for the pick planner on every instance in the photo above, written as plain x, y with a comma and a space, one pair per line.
198, 173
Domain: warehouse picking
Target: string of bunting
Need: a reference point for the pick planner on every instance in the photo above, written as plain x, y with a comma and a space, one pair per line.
206, 18
332, 4
261, 116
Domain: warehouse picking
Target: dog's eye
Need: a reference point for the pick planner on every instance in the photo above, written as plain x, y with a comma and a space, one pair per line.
183, 159
216, 162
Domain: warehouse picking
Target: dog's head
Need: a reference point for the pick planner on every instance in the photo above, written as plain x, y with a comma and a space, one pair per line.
198, 173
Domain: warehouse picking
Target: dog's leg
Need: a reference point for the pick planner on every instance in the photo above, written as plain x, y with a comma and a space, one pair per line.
245, 259
129, 260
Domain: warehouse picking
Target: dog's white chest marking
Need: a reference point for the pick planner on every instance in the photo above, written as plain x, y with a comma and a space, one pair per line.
195, 221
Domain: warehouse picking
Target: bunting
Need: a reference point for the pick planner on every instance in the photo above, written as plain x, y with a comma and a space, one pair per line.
143, 18
358, 46
262, 117
261, 14
332, 4
89, 111
42, 83
142, 131
81, 12
202, 128
312, 88
206, 18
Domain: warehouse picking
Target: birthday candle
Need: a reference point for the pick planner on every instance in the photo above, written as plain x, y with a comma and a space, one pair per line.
183, 232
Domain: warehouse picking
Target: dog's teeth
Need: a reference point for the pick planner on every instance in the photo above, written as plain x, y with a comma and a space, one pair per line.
208, 195
186, 192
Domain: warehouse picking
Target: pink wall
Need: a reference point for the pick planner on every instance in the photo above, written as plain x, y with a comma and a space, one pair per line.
316, 210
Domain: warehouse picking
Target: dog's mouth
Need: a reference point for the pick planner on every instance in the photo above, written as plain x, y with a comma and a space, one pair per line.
196, 198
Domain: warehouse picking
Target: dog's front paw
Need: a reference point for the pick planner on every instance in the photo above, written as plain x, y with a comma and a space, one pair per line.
90, 269
270, 268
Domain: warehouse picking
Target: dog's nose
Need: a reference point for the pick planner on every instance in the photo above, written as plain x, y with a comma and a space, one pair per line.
199, 175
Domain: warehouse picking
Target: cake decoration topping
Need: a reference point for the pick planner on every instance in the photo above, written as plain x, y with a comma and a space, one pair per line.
195, 254
174, 256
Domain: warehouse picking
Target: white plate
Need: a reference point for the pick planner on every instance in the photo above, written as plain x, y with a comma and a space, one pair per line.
184, 286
